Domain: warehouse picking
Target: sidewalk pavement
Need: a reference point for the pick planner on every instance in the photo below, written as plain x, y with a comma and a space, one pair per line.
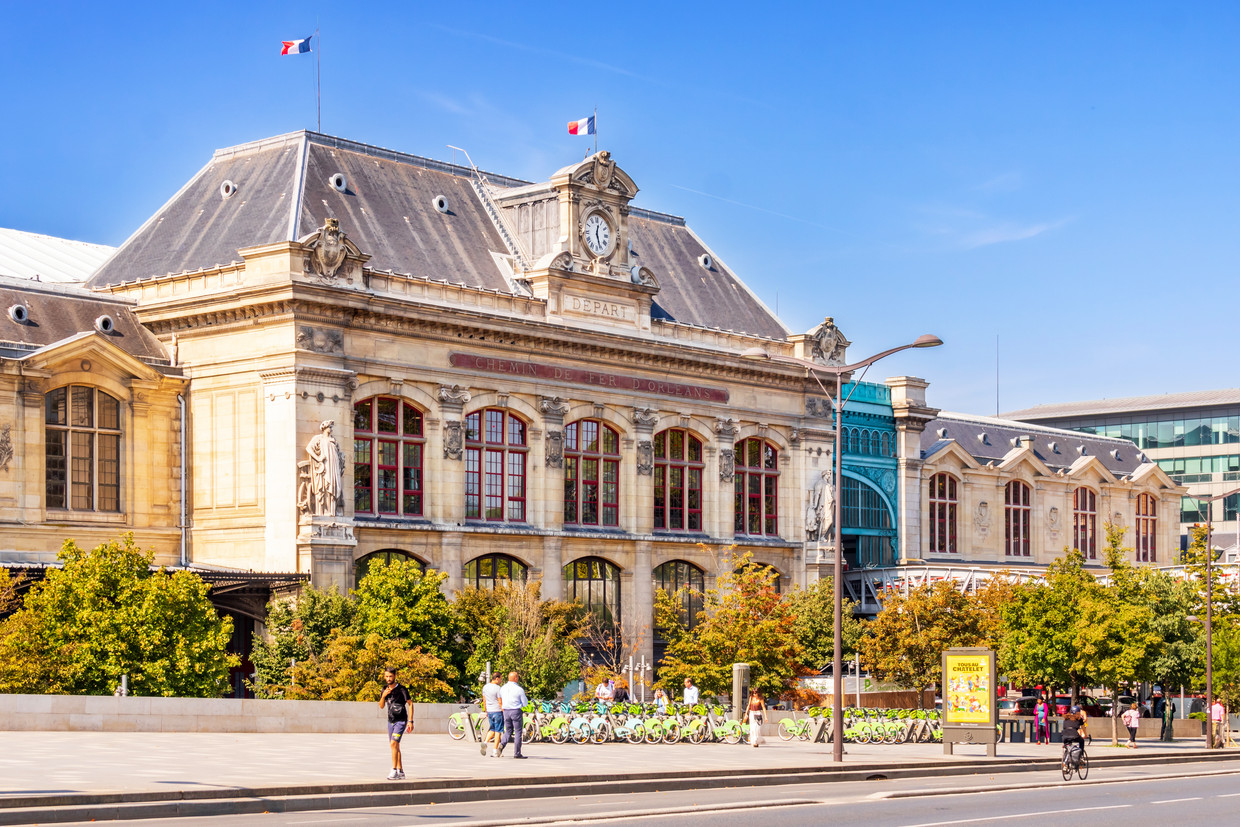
60, 763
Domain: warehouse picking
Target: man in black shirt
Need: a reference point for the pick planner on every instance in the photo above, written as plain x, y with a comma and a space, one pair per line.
395, 699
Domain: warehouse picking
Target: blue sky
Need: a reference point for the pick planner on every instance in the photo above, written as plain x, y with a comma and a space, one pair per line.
1062, 175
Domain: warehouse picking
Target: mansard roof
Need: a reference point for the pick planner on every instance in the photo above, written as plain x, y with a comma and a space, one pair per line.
989, 439
282, 192
1131, 405
56, 312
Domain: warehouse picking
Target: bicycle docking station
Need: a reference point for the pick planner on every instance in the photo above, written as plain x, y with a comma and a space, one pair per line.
971, 734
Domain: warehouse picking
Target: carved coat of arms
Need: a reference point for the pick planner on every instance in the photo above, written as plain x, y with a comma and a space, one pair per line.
329, 249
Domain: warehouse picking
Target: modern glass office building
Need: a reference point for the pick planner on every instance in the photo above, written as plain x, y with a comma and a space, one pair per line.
1194, 437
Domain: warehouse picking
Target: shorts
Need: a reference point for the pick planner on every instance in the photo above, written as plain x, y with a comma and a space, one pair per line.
396, 729
496, 720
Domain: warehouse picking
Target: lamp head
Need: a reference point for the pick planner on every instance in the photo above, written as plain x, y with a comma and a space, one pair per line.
927, 341
754, 353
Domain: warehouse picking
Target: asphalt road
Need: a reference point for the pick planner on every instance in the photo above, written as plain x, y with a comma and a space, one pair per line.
1209, 795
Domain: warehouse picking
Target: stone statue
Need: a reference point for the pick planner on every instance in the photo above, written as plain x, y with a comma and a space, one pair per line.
820, 508
326, 472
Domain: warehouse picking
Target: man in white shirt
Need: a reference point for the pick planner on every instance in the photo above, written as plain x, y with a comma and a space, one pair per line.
691, 692
512, 698
603, 691
492, 706
1217, 715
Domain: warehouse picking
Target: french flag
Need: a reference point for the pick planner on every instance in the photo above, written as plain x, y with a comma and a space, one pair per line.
585, 126
295, 47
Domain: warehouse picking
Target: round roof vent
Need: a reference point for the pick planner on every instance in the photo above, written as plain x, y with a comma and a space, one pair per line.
19, 313
706, 261
339, 182
227, 189
441, 203
105, 324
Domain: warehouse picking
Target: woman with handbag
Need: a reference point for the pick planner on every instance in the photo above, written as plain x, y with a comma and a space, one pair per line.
757, 714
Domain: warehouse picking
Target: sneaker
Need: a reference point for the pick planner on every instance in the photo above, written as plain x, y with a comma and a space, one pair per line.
499, 751
484, 748
394, 775
400, 775
520, 756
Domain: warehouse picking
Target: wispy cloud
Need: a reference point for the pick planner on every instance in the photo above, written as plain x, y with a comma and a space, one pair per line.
756, 208
451, 105
1007, 231
964, 228
1003, 182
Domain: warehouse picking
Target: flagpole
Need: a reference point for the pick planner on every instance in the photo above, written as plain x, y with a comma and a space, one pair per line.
318, 78
596, 130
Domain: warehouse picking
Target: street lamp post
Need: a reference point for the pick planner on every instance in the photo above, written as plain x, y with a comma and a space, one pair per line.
838, 401
1210, 610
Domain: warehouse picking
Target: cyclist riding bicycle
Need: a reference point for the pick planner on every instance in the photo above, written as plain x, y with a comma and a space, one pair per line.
1075, 731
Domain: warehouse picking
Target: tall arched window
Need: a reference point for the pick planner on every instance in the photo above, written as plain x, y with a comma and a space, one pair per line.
1017, 519
491, 570
677, 481
83, 449
388, 450
756, 509
495, 449
1085, 522
1147, 529
387, 556
591, 474
595, 584
676, 574
943, 505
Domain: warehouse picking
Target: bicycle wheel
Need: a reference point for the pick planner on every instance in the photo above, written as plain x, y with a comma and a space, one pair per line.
733, 736
559, 735
697, 735
653, 734
1065, 767
634, 735
602, 734
671, 733
456, 729
1082, 769
580, 734
786, 732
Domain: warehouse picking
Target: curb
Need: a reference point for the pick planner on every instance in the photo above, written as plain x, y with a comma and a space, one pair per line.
236, 801
1038, 785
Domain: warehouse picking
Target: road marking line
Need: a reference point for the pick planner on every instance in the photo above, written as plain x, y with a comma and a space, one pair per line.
1175, 800
1227, 795
1019, 815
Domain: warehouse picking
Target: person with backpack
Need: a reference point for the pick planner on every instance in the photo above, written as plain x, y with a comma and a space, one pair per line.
1075, 731
397, 702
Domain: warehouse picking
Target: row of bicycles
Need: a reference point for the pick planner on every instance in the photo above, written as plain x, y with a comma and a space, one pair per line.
599, 722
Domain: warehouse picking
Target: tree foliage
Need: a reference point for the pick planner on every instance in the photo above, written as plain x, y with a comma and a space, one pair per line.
350, 668
743, 621
297, 630
905, 643
813, 610
104, 614
1039, 643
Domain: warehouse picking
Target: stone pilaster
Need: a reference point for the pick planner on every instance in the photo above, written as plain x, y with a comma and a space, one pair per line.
449, 488
553, 568
553, 409
644, 420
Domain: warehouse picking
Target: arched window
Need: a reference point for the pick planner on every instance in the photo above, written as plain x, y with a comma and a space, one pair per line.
1085, 522
1017, 519
83, 449
677, 481
388, 452
676, 574
943, 504
491, 570
876, 444
591, 474
756, 509
595, 584
1147, 529
495, 449
361, 566
885, 446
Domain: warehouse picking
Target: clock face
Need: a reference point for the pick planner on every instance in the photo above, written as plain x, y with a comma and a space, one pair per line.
597, 234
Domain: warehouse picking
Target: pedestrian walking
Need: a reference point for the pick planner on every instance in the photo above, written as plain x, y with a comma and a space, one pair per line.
512, 698
757, 714
493, 707
691, 693
1132, 719
1042, 721
396, 701
1217, 715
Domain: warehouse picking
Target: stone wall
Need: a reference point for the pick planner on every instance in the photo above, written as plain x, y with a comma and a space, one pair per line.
93, 713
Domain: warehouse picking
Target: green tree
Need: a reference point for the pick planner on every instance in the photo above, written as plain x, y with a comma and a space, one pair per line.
514, 629
813, 610
105, 613
1226, 646
297, 630
743, 621
350, 668
398, 601
905, 643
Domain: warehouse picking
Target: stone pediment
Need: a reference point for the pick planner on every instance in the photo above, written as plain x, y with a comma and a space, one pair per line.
601, 173
90, 352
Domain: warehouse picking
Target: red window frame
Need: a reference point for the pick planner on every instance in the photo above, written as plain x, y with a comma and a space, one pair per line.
943, 514
392, 485
1147, 529
678, 474
591, 474
1085, 522
496, 444
1017, 519
755, 505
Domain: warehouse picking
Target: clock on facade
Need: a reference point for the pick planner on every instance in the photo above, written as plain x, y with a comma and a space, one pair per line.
597, 234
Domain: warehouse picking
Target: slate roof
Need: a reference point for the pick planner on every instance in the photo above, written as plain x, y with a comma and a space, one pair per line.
1130, 405
283, 193
47, 258
57, 312
1056, 447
